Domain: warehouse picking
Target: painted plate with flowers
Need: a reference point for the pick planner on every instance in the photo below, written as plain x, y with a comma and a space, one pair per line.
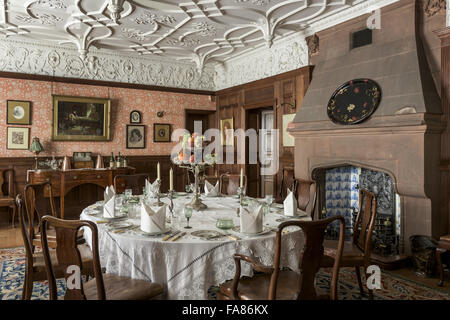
354, 101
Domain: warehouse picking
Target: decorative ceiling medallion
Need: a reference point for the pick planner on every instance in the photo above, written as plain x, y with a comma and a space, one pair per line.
354, 101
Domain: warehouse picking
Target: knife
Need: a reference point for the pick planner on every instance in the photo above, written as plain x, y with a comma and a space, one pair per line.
170, 235
178, 236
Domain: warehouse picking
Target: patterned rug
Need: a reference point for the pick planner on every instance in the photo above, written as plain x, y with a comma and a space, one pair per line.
12, 269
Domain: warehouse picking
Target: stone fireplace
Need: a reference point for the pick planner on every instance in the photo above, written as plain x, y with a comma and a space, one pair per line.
402, 137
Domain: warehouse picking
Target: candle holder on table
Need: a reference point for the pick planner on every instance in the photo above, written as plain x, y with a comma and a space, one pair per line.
158, 202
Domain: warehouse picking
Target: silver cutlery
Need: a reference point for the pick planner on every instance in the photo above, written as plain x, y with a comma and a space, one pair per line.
172, 234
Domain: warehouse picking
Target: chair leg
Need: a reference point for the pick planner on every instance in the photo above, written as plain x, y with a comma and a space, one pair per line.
27, 287
439, 252
358, 276
14, 216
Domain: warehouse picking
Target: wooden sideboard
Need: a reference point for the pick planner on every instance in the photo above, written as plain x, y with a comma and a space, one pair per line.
64, 181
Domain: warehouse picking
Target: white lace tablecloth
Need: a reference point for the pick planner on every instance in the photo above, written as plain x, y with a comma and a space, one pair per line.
188, 267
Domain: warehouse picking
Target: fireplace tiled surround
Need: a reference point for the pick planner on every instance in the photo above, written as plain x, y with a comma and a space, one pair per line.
403, 136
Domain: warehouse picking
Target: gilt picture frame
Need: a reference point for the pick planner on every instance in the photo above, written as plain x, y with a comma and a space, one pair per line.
227, 124
161, 132
18, 112
81, 119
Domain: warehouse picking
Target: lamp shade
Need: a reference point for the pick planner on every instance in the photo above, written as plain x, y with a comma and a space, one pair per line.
36, 146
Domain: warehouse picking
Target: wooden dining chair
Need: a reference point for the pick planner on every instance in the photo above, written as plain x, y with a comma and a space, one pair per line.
104, 286
135, 182
229, 183
7, 193
357, 251
442, 248
306, 196
39, 201
34, 260
272, 283
287, 181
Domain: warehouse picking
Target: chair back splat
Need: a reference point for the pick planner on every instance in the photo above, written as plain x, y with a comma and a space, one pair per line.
69, 257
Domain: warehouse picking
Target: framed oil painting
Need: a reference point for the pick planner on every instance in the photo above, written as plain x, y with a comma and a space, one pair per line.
227, 137
18, 112
288, 140
81, 119
161, 132
135, 136
135, 117
18, 138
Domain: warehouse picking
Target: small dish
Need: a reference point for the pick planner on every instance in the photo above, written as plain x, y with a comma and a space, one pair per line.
224, 223
206, 234
237, 229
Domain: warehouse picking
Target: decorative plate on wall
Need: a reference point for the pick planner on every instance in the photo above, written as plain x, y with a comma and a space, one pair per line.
354, 101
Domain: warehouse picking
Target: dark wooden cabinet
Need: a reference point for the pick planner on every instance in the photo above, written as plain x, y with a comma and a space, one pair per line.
64, 181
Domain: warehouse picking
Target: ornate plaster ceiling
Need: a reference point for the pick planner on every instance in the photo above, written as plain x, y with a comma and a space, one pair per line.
200, 32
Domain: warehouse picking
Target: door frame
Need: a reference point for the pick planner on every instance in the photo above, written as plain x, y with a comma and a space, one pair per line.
265, 104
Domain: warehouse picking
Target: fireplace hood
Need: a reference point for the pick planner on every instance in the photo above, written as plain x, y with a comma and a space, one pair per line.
402, 137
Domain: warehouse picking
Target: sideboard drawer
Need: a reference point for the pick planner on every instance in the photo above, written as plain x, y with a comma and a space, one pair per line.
90, 175
54, 177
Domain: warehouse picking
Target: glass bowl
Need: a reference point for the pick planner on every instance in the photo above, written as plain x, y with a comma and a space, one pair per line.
224, 223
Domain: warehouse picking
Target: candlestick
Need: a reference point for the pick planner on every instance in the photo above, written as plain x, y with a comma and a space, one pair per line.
158, 202
158, 172
242, 177
171, 179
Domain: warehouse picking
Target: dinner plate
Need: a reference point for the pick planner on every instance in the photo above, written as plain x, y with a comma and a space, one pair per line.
119, 225
181, 193
278, 205
237, 229
116, 217
207, 234
152, 234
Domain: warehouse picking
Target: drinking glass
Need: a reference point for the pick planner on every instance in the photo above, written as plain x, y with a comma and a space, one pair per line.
269, 199
188, 215
128, 194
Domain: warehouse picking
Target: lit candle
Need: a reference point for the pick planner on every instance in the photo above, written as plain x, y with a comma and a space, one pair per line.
158, 172
171, 179
242, 177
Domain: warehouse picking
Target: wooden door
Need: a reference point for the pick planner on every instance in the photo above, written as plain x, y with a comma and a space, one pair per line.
267, 181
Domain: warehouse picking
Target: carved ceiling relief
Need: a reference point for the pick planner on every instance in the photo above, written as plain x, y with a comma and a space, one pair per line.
193, 37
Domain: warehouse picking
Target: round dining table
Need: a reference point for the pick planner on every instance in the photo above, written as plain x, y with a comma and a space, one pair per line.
191, 265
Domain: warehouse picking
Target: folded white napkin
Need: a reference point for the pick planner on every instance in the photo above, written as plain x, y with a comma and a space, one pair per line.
109, 206
290, 204
210, 190
252, 219
153, 221
151, 188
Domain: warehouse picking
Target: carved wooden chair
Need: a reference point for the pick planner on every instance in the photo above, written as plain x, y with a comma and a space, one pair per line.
442, 248
135, 182
272, 283
39, 201
34, 260
357, 251
306, 196
104, 286
7, 192
229, 183
287, 181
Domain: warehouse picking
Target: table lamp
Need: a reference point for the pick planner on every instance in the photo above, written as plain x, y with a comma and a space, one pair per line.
36, 147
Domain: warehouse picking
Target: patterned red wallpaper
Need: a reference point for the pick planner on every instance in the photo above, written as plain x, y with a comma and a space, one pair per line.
123, 101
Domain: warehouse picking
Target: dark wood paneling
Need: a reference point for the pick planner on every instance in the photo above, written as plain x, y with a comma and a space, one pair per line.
289, 88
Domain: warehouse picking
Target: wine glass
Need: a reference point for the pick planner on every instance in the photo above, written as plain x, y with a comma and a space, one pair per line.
188, 215
128, 194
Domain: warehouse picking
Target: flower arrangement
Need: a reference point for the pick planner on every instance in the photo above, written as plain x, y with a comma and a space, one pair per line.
190, 146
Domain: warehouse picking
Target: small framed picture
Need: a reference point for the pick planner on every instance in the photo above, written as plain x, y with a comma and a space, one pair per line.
135, 117
18, 138
18, 112
135, 136
226, 131
161, 132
